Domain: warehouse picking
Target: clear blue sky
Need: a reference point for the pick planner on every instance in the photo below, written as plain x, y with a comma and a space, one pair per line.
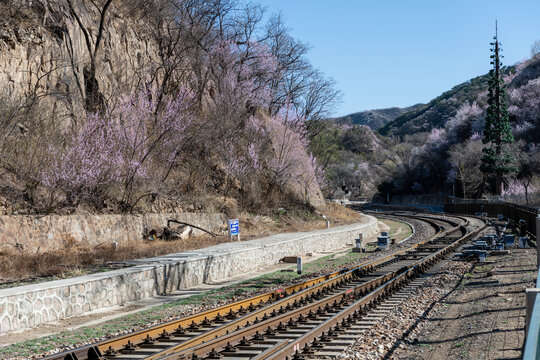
385, 53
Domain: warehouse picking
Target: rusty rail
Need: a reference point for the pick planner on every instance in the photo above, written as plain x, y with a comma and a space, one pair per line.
355, 310
246, 328
257, 306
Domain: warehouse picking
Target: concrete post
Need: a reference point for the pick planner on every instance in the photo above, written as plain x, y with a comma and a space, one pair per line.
327, 224
359, 244
530, 297
299, 265
537, 241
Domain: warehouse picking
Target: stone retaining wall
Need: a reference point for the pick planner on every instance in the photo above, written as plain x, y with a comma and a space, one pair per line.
52, 232
28, 306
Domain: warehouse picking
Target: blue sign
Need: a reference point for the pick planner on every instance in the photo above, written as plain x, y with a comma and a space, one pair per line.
234, 227
382, 241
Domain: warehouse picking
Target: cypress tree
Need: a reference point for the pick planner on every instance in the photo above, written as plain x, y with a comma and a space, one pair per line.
495, 159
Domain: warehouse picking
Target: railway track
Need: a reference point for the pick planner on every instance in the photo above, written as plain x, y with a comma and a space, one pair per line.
278, 324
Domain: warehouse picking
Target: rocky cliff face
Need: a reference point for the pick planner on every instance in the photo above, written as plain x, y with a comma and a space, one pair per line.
44, 55
48, 56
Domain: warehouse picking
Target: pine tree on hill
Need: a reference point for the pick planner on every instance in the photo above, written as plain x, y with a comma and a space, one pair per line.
495, 159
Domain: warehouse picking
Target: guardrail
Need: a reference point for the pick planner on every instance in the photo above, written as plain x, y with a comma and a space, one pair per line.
532, 350
493, 208
532, 321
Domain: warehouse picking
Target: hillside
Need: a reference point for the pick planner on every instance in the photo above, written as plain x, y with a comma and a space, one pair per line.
438, 111
207, 130
433, 139
376, 118
444, 107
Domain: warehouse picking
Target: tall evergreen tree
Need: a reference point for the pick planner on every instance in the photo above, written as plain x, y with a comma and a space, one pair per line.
495, 159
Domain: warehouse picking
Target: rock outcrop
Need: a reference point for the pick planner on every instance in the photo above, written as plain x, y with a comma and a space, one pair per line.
57, 54
44, 55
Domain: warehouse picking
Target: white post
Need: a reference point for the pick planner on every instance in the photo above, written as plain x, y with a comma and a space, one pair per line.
530, 297
327, 224
360, 243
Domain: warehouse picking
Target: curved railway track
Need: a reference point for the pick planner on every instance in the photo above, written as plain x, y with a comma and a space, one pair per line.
277, 324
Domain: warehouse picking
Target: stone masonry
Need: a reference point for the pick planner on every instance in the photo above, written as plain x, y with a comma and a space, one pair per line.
48, 233
31, 305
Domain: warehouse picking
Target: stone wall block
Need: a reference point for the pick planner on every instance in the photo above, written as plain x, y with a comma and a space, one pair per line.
53, 316
11, 307
38, 305
6, 323
15, 322
57, 305
32, 320
25, 307
37, 318
69, 311
54, 301
31, 296
23, 323
77, 310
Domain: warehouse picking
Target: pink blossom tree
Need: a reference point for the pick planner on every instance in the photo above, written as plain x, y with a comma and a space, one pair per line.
525, 108
468, 120
120, 148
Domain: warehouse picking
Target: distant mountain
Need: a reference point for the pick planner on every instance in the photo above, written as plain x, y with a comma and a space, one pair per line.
438, 111
377, 118
425, 117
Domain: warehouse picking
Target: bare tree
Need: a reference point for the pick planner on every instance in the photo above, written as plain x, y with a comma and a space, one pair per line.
529, 166
93, 97
312, 95
466, 162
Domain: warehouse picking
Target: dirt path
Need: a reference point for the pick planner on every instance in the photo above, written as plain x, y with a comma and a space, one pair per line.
482, 318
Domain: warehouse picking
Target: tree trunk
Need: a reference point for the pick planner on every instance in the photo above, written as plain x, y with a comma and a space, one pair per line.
498, 184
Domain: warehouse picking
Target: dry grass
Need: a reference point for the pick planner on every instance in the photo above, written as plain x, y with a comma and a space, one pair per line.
17, 267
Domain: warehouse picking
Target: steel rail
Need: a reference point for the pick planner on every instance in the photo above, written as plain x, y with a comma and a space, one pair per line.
95, 351
332, 301
345, 316
257, 306
185, 350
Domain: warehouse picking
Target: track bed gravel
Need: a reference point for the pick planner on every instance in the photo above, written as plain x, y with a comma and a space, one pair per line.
482, 318
71, 339
392, 333
463, 311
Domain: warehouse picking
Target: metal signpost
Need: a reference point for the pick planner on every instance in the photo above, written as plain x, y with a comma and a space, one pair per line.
234, 228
